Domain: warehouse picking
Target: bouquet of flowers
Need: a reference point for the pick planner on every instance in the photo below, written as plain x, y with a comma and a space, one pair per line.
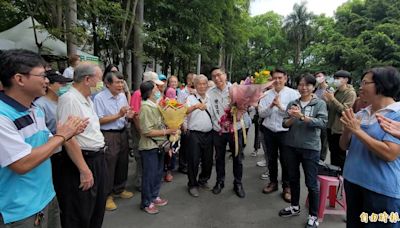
174, 114
250, 92
331, 84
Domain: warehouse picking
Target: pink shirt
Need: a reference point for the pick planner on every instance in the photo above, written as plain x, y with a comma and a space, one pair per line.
136, 101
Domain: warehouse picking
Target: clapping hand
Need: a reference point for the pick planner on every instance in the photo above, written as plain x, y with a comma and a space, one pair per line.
295, 111
73, 126
390, 126
350, 121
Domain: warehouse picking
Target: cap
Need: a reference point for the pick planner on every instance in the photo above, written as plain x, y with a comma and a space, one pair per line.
152, 76
162, 77
342, 74
55, 76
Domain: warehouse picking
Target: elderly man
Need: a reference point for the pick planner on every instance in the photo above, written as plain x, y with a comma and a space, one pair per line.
113, 110
219, 101
84, 208
27, 197
199, 135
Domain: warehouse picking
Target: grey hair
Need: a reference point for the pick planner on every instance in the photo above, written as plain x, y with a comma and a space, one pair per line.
199, 78
83, 70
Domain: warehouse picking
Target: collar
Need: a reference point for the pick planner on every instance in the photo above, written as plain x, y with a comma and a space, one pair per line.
12, 102
151, 103
395, 107
79, 95
109, 94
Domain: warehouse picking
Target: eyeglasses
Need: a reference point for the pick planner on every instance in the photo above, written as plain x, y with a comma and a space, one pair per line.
43, 76
363, 83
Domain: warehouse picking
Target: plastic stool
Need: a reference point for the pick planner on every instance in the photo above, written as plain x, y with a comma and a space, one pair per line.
328, 186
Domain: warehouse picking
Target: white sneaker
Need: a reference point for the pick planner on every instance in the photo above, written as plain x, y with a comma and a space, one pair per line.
253, 154
312, 222
262, 163
264, 175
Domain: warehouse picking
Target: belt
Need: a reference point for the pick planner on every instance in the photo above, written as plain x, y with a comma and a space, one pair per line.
114, 130
199, 132
94, 151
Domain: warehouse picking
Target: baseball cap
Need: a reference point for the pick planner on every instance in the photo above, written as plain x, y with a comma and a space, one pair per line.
152, 76
162, 77
55, 76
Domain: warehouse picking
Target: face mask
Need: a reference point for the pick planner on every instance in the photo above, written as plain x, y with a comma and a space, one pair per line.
157, 95
320, 80
63, 90
337, 83
98, 88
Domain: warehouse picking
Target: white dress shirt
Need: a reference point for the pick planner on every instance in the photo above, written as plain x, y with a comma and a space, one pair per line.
73, 103
273, 117
198, 120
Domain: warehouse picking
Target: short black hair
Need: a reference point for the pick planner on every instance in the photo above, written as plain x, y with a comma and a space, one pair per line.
108, 79
319, 72
308, 78
145, 89
279, 70
387, 81
108, 69
216, 68
18, 61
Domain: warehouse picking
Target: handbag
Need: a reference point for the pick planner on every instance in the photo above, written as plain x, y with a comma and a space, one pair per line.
328, 170
163, 147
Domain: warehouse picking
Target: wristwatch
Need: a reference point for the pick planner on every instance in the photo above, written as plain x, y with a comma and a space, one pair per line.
302, 117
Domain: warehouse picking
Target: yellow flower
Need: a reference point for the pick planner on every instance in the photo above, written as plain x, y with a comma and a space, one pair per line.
265, 72
256, 74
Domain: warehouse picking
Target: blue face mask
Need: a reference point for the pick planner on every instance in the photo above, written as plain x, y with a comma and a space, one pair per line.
157, 95
63, 89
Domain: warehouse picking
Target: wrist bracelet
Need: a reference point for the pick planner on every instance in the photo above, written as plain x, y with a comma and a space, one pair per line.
62, 136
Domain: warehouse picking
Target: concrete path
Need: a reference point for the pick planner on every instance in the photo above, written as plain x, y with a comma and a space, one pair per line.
215, 211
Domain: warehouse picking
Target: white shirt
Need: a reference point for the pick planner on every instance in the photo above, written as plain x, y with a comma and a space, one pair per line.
273, 117
69, 72
73, 103
198, 120
218, 101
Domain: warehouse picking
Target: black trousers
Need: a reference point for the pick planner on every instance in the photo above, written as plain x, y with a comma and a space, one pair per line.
324, 144
338, 156
201, 149
220, 140
309, 160
185, 146
83, 209
275, 142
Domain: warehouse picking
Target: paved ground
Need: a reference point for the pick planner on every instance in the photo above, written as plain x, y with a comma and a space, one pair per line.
214, 211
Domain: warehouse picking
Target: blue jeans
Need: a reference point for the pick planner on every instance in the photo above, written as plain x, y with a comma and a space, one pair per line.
361, 200
152, 172
309, 160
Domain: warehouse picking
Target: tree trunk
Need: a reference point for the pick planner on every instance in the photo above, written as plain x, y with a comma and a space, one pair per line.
96, 48
71, 25
138, 47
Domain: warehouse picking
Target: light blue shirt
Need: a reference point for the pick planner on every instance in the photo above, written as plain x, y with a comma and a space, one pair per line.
363, 167
21, 130
106, 104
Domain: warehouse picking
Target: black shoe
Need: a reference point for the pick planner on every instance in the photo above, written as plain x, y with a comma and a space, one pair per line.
289, 211
194, 191
182, 170
204, 186
218, 188
238, 188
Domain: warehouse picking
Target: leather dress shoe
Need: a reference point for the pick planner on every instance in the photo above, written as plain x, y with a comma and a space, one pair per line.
218, 188
286, 195
238, 188
271, 187
194, 191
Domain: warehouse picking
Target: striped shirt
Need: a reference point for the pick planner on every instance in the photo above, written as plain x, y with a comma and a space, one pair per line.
21, 130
